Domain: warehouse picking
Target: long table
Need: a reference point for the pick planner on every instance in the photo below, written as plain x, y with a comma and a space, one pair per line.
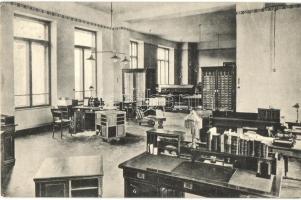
149, 175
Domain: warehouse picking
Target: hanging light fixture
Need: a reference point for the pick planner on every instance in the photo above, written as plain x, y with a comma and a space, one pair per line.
115, 58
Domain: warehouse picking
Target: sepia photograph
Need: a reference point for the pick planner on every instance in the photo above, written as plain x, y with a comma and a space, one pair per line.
150, 99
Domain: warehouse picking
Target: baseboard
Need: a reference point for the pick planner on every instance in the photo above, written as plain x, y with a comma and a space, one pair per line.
34, 130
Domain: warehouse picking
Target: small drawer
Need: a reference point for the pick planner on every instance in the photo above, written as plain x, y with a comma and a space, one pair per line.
140, 175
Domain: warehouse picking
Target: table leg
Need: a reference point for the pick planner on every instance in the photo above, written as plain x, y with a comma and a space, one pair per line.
160, 123
285, 158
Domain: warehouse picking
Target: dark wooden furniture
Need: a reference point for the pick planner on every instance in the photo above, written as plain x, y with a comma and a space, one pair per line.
110, 124
219, 87
79, 176
163, 141
149, 175
84, 118
7, 148
233, 120
194, 101
60, 119
292, 124
160, 120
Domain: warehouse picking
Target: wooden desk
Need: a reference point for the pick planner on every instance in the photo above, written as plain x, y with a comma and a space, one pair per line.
291, 124
294, 152
84, 118
79, 176
149, 175
160, 120
194, 100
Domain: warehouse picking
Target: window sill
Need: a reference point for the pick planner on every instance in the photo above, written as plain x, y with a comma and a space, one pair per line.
32, 108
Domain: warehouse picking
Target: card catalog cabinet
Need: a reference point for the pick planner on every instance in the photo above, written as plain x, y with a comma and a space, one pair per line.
219, 88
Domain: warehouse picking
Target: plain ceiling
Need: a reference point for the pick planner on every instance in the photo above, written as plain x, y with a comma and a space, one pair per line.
176, 21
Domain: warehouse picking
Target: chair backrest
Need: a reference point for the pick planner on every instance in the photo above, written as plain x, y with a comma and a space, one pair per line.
139, 114
56, 114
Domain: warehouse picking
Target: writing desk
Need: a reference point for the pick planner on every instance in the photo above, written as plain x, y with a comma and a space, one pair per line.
194, 100
84, 118
149, 175
293, 152
79, 176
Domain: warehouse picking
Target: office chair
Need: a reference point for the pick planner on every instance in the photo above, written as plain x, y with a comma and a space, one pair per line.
60, 119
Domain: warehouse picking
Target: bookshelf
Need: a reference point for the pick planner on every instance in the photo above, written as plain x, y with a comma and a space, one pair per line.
164, 142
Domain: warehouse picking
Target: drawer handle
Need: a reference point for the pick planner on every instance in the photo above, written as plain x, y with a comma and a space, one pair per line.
140, 175
188, 185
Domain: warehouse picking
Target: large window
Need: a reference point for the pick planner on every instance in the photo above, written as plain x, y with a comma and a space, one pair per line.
84, 68
163, 65
133, 55
31, 62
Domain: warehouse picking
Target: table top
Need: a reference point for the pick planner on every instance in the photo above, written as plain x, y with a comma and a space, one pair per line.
195, 96
88, 107
154, 117
77, 166
165, 132
294, 151
201, 172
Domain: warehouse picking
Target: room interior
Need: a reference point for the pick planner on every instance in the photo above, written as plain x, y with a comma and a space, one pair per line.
83, 80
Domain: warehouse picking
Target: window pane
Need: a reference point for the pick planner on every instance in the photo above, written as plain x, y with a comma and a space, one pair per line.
28, 28
134, 63
40, 74
160, 54
84, 38
78, 70
21, 73
90, 75
128, 86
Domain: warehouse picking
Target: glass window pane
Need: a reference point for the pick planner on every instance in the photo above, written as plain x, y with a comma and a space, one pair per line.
84, 38
78, 72
28, 28
160, 54
40, 74
21, 73
90, 75
134, 63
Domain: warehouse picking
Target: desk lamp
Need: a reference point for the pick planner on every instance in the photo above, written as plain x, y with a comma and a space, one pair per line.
297, 110
193, 122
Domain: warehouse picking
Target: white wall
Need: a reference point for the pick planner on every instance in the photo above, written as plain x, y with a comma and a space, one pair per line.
62, 57
259, 85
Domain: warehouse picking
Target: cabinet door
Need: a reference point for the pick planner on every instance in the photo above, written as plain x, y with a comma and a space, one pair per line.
8, 147
139, 189
52, 189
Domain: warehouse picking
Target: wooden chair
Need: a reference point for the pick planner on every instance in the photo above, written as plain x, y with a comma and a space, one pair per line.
60, 119
141, 119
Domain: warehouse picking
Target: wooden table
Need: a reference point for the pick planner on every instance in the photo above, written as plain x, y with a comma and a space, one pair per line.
160, 120
194, 100
149, 175
84, 118
293, 152
79, 176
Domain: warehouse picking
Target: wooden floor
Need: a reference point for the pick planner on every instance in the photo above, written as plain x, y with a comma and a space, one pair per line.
31, 150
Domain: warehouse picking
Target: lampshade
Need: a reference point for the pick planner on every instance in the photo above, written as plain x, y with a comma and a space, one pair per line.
296, 106
91, 57
125, 60
115, 58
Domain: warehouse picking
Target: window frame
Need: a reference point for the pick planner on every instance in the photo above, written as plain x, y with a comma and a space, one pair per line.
82, 49
45, 43
164, 61
132, 57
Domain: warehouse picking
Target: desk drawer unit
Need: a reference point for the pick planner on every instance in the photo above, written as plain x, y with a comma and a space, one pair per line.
110, 124
140, 176
75, 187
